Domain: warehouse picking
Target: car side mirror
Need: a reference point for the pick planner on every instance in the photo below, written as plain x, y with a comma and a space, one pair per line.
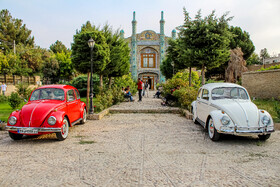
25, 100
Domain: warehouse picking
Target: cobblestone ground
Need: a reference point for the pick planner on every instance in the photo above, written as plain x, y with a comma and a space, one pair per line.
139, 150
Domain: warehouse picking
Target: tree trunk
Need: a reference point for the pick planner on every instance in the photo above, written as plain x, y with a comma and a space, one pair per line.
110, 82
88, 87
101, 82
203, 75
190, 77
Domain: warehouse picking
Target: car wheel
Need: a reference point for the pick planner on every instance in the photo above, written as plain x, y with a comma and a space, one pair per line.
84, 116
212, 132
193, 118
64, 130
264, 137
15, 136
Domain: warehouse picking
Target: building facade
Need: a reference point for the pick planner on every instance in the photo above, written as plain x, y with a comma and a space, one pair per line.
147, 53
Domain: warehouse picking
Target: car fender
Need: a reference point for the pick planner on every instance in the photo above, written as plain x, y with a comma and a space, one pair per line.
59, 115
216, 116
193, 105
265, 113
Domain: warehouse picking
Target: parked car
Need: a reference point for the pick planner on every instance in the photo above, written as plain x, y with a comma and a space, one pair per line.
52, 108
226, 108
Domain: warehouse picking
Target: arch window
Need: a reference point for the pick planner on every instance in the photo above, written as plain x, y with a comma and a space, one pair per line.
148, 58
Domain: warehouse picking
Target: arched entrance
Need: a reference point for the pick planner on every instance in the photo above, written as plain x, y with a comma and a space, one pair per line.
151, 78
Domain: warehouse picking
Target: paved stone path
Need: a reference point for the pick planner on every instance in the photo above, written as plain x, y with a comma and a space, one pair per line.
139, 150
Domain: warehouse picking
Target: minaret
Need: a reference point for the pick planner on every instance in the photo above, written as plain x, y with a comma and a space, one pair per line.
173, 34
162, 44
133, 60
122, 34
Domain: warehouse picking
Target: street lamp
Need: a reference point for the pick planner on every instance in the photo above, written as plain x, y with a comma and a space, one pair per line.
172, 64
91, 43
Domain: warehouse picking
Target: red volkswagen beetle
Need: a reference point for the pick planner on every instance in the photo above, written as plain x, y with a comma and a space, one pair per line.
52, 108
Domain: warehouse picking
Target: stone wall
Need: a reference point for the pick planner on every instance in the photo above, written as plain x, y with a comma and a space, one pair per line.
256, 67
262, 84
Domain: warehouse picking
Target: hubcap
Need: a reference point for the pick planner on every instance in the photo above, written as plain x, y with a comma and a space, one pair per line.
64, 130
211, 128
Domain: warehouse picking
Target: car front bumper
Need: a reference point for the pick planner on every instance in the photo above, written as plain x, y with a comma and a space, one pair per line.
38, 129
246, 130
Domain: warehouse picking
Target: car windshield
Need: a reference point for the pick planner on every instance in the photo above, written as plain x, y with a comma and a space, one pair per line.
229, 93
47, 93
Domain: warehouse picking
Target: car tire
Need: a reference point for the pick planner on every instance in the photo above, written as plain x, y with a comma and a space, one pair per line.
64, 130
15, 136
264, 137
212, 132
83, 121
194, 120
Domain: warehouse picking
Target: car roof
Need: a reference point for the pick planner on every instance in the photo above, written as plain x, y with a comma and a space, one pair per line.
65, 87
211, 86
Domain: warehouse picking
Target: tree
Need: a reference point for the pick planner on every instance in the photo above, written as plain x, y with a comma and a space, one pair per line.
66, 67
51, 69
206, 40
253, 59
241, 39
264, 54
13, 29
119, 54
58, 47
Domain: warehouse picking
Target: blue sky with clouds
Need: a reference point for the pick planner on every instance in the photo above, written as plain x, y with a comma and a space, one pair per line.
52, 20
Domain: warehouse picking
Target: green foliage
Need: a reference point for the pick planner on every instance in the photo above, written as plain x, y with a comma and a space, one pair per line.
270, 68
124, 81
58, 47
13, 29
253, 59
51, 69
23, 91
80, 83
14, 100
186, 96
205, 41
241, 39
66, 67
3, 98
277, 109
264, 53
81, 55
269, 106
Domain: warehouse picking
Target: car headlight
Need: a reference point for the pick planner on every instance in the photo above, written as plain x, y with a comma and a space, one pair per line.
225, 120
265, 120
12, 120
52, 120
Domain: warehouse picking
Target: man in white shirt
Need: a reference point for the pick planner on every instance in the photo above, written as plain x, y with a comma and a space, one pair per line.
3, 88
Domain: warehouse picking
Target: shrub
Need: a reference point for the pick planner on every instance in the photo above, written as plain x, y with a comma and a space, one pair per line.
186, 96
104, 100
3, 98
15, 100
277, 109
80, 83
125, 81
23, 91
270, 68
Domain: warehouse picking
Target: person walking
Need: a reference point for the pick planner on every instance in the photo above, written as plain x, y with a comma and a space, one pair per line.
143, 88
3, 88
140, 87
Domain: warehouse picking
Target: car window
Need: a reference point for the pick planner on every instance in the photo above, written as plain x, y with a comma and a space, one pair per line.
77, 94
205, 94
70, 95
229, 93
47, 93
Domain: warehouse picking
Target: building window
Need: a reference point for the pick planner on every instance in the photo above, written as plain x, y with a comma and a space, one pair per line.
148, 60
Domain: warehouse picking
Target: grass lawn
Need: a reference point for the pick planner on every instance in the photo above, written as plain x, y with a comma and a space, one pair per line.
268, 105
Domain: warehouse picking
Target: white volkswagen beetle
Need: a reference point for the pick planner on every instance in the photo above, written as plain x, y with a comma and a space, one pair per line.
226, 108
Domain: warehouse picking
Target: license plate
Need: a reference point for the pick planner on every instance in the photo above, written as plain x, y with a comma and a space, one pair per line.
27, 131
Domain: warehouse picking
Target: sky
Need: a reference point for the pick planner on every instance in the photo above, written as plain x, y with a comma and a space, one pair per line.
52, 20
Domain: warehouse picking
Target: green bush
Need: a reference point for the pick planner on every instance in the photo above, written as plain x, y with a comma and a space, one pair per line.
125, 81
14, 100
80, 83
3, 98
186, 96
270, 68
23, 91
277, 109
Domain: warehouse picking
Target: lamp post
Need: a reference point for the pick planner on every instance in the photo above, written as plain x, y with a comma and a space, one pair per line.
91, 43
172, 64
